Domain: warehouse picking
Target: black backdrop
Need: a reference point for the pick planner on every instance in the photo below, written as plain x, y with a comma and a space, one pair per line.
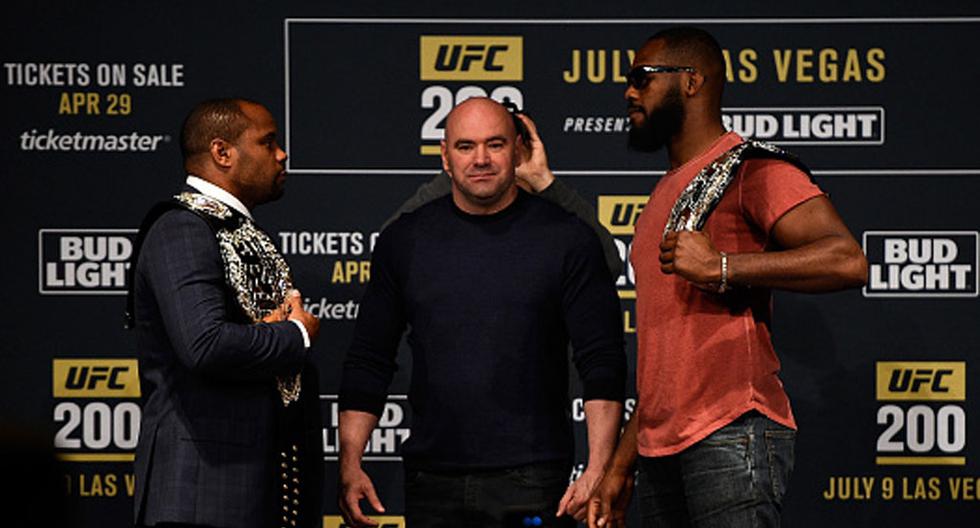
877, 99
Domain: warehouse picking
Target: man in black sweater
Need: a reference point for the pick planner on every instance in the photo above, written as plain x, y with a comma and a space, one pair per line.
493, 284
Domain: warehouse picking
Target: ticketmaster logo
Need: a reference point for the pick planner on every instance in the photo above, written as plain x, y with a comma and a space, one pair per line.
52, 141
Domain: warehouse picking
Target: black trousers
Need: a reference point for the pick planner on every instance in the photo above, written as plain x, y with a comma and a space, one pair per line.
513, 497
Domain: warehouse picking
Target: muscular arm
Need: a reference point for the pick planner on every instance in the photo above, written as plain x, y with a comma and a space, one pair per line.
592, 316
180, 268
368, 369
814, 252
817, 253
355, 485
602, 419
355, 430
607, 507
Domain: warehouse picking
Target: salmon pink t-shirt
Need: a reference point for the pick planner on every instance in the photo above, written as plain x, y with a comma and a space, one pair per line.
703, 358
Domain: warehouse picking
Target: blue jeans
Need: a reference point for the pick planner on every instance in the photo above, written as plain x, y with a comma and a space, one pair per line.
736, 477
501, 498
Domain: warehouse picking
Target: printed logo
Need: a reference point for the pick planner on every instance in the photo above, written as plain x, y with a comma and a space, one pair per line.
471, 58
921, 263
385, 444
846, 125
95, 414
618, 214
384, 521
919, 431
921, 380
95, 378
84, 261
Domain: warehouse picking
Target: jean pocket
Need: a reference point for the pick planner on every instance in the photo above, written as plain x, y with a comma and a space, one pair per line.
779, 449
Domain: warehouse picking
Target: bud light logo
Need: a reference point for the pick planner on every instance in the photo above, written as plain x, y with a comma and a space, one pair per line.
921, 263
84, 261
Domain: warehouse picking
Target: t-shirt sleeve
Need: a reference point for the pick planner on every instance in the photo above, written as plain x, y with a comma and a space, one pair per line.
769, 188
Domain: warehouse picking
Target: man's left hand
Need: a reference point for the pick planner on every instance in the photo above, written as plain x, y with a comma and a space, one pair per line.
533, 174
691, 255
575, 502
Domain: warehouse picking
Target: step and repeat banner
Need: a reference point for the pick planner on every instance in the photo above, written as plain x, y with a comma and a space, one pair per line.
883, 379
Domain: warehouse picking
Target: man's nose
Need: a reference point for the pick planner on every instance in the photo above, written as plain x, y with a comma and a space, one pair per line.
482, 155
630, 93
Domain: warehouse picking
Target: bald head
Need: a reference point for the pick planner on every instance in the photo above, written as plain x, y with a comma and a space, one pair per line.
480, 154
481, 110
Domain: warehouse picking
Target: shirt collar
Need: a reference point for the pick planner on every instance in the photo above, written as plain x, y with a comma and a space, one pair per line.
209, 189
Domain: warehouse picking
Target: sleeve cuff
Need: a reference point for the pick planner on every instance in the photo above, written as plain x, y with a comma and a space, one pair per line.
352, 400
554, 191
302, 330
611, 389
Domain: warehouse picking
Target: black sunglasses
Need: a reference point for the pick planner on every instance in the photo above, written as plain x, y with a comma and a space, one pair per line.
639, 76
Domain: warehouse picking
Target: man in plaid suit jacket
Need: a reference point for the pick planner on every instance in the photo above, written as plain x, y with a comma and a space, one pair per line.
209, 450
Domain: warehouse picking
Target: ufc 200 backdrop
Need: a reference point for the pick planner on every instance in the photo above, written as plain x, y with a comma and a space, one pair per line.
878, 100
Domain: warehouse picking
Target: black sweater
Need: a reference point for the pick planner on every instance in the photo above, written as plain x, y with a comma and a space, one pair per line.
491, 302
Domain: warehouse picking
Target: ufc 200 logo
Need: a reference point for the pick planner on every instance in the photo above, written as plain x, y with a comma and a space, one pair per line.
96, 412
924, 412
471, 58
390, 521
463, 58
95, 378
618, 214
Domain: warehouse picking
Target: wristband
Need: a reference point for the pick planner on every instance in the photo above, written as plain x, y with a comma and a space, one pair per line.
723, 284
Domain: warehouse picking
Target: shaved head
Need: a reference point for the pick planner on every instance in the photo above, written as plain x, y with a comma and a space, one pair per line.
690, 46
216, 118
480, 154
478, 108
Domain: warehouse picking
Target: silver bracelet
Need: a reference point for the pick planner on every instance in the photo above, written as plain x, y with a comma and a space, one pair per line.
723, 285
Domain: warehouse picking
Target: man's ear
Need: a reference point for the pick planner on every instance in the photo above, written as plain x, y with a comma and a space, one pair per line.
222, 152
444, 151
521, 151
694, 83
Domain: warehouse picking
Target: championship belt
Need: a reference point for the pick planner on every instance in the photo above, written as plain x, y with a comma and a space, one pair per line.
705, 190
254, 269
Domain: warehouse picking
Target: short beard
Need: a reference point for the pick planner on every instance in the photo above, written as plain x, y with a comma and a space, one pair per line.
661, 124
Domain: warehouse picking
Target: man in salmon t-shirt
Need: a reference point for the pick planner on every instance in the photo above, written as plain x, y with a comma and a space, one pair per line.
713, 429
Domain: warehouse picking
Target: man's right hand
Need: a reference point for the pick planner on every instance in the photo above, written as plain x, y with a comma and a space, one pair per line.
294, 301
607, 506
355, 485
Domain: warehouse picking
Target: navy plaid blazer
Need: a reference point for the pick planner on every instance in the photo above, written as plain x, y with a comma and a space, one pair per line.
206, 452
